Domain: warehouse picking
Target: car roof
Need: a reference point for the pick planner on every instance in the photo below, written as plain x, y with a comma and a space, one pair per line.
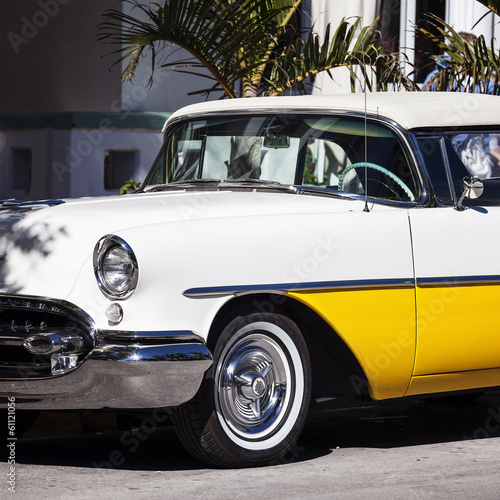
409, 109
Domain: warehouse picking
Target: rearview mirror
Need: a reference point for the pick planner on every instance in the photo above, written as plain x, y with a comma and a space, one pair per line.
276, 141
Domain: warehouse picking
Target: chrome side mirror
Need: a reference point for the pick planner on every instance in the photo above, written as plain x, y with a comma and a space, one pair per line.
472, 188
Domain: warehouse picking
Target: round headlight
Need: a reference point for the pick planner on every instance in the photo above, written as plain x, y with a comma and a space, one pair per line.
115, 267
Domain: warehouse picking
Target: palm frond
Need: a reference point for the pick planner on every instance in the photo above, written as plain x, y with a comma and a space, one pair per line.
222, 35
493, 5
305, 59
252, 43
468, 67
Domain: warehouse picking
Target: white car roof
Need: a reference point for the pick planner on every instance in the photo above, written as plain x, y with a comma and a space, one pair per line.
409, 109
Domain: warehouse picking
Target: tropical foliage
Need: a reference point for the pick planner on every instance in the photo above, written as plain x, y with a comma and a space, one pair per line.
466, 66
249, 47
493, 5
130, 186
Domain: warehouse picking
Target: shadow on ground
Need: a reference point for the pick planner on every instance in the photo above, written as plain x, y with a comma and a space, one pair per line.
151, 447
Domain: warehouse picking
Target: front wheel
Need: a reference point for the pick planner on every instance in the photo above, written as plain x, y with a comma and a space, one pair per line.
253, 404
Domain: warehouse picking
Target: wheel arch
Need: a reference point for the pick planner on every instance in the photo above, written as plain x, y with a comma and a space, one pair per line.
337, 375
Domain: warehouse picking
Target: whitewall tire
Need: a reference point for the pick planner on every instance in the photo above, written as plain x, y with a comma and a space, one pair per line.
254, 401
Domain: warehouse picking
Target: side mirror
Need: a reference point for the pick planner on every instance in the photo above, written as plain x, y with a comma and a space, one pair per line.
472, 188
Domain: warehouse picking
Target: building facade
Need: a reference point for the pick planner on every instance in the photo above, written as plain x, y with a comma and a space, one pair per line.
69, 126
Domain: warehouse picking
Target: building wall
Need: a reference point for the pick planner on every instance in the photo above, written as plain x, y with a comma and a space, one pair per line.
51, 60
61, 112
61, 155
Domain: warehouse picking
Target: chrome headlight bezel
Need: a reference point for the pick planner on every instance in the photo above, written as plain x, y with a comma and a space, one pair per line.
101, 252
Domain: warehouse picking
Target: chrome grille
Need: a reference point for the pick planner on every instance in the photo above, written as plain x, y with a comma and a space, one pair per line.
25, 318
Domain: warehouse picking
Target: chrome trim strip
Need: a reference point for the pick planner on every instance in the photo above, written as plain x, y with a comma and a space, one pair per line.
458, 281
152, 336
449, 177
13, 204
282, 288
323, 286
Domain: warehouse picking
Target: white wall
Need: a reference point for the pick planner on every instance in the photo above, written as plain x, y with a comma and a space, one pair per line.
324, 12
462, 15
86, 163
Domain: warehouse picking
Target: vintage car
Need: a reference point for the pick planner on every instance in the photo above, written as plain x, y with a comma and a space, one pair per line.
282, 253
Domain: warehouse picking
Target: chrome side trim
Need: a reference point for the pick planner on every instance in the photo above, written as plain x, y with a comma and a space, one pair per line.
12, 203
152, 336
282, 288
458, 281
325, 286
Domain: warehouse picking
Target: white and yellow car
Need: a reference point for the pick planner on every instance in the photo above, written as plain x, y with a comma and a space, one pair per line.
282, 252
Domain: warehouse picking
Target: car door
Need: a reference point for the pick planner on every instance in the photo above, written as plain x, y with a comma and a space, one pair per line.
457, 270
368, 296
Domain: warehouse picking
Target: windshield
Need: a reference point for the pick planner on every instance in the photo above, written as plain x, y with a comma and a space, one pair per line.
301, 150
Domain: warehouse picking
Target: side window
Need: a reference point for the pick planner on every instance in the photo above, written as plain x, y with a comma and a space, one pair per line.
475, 154
430, 147
451, 157
335, 158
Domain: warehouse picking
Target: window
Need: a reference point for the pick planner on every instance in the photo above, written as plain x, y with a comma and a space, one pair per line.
20, 170
335, 158
467, 154
398, 19
476, 154
119, 167
432, 154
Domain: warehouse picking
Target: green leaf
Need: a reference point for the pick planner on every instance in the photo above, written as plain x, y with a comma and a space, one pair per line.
493, 5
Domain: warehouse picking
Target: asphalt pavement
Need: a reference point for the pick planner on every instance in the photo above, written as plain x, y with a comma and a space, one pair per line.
407, 450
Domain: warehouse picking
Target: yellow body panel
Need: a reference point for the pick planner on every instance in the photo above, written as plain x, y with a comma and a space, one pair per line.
458, 329
378, 326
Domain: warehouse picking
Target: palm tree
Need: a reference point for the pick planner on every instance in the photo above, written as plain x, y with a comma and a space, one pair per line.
249, 47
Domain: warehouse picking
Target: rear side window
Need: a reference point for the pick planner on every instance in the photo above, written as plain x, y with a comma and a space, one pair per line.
432, 153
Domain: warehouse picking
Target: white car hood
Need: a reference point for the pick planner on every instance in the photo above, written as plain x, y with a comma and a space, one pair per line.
43, 249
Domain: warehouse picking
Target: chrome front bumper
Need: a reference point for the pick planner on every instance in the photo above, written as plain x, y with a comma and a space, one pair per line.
53, 358
137, 370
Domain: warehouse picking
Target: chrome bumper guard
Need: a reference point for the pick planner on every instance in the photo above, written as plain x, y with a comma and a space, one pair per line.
139, 370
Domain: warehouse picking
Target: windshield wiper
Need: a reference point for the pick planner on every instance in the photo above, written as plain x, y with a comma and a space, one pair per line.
185, 184
244, 183
324, 191
259, 184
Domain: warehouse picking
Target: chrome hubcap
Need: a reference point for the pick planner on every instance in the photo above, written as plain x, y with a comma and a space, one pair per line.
254, 384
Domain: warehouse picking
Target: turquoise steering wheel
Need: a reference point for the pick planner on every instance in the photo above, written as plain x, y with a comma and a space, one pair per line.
386, 172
